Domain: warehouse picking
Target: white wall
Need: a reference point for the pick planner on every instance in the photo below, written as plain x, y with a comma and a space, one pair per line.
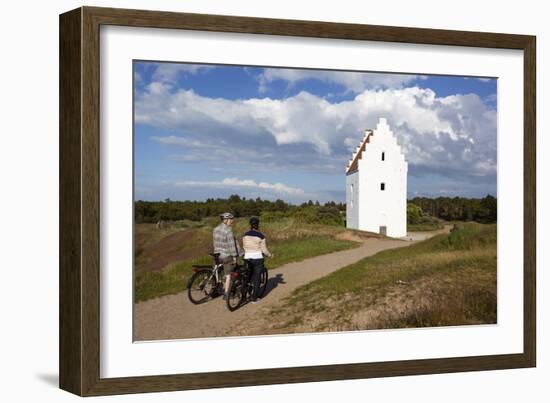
352, 200
29, 200
386, 207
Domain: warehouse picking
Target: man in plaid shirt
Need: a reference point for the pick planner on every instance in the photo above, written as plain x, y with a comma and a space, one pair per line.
227, 246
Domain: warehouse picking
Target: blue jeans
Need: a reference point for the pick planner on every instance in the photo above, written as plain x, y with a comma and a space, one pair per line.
257, 266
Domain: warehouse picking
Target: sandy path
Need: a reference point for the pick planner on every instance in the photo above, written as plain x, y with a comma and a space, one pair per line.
423, 235
174, 317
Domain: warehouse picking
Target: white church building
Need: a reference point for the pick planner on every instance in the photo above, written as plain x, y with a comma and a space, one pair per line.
376, 184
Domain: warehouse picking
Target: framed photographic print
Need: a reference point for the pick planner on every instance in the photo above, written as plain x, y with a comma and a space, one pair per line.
249, 201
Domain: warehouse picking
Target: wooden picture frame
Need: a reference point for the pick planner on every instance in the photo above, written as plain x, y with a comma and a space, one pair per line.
79, 200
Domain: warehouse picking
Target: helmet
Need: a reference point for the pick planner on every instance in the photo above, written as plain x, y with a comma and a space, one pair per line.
254, 221
226, 216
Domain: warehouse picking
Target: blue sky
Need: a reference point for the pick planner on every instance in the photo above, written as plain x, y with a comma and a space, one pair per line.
210, 131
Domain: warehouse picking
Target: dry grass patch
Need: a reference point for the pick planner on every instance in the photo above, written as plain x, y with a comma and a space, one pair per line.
446, 280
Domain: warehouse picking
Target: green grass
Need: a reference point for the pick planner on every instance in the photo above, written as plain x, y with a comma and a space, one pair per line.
426, 226
448, 279
287, 240
153, 284
295, 250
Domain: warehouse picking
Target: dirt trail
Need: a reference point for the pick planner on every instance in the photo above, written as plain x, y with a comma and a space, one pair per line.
174, 317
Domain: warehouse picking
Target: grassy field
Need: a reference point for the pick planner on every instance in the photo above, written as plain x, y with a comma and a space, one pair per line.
164, 257
446, 280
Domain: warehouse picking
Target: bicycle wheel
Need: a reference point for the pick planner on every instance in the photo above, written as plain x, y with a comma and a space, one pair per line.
201, 286
263, 283
235, 296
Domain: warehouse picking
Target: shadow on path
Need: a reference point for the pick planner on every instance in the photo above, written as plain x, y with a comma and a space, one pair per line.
272, 283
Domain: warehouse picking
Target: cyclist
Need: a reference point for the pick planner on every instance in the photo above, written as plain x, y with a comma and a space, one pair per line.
227, 246
254, 244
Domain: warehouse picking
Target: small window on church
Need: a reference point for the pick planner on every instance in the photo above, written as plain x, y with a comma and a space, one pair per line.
382, 186
383, 156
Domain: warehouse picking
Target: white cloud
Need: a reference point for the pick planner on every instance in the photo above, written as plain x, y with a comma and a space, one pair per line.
180, 141
352, 81
232, 183
491, 98
453, 135
169, 72
482, 79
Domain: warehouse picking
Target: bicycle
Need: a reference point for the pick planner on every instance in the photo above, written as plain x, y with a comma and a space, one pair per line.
207, 282
241, 287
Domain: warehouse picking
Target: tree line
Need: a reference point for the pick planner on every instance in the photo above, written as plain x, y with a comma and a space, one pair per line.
168, 210
446, 208
483, 210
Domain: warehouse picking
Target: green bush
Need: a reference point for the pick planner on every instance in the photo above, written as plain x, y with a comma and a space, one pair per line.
325, 215
414, 214
272, 216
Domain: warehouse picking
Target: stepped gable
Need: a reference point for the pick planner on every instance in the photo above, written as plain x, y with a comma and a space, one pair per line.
354, 162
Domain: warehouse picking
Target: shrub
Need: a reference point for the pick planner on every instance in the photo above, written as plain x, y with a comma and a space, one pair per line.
325, 215
414, 214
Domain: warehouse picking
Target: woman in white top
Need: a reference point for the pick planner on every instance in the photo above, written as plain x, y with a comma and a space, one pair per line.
254, 244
